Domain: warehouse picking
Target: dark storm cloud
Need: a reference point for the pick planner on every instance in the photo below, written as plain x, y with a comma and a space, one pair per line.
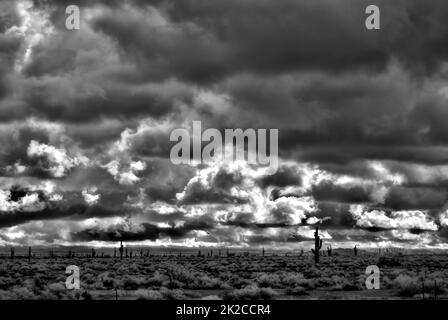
20, 205
163, 180
8, 15
97, 134
67, 211
344, 154
399, 198
210, 41
148, 232
9, 47
246, 220
110, 102
75, 212
145, 231
443, 233
9, 219
162, 193
335, 215
283, 177
51, 62
298, 34
327, 191
216, 189
365, 109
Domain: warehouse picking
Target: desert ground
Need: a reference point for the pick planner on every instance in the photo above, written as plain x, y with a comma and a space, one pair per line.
238, 276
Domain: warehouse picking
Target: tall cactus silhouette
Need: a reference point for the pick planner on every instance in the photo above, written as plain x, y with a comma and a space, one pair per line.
355, 251
317, 245
121, 250
29, 254
12, 253
262, 252
329, 250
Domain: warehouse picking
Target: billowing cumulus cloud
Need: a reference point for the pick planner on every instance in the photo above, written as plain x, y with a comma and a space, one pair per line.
29, 202
90, 197
411, 220
86, 117
53, 160
125, 174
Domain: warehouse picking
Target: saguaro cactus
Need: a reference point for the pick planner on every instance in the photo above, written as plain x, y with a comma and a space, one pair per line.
29, 254
435, 290
12, 253
115, 252
329, 250
317, 245
262, 252
93, 253
121, 250
355, 251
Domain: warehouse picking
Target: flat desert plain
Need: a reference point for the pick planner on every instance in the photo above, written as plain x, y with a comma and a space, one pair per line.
240, 276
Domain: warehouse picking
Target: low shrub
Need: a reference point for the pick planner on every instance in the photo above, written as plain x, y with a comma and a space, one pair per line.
407, 286
389, 261
251, 292
142, 294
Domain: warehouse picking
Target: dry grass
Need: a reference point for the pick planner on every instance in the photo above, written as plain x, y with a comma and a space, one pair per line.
250, 277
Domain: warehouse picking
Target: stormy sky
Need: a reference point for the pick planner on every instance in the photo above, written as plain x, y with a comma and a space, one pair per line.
86, 115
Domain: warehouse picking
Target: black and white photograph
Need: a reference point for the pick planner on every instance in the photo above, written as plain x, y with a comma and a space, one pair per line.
231, 150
